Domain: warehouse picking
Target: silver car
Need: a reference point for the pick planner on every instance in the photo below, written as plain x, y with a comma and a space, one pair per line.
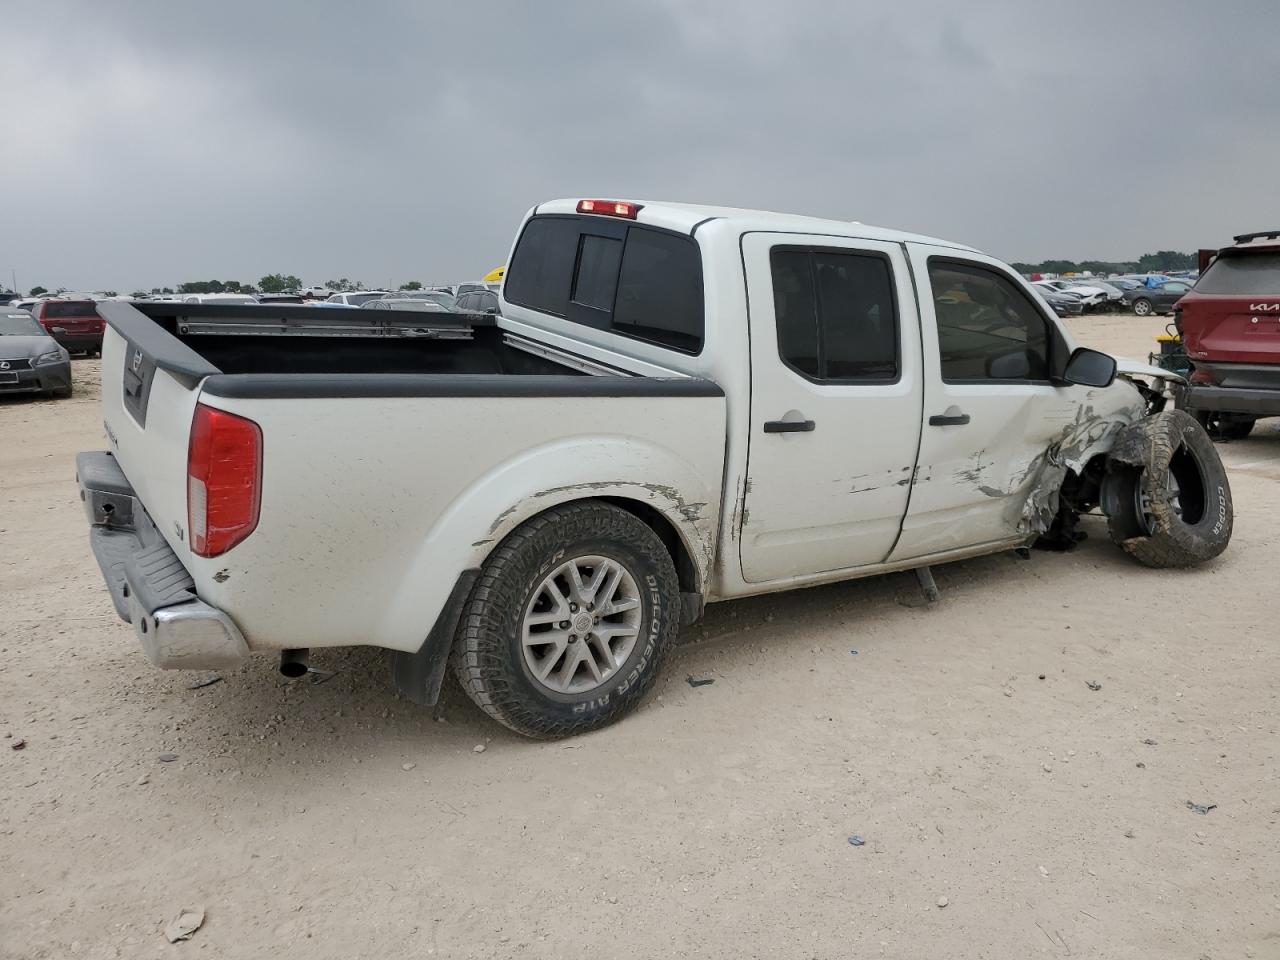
31, 361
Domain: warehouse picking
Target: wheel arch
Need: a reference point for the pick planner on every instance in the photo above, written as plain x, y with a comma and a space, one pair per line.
684, 512
687, 572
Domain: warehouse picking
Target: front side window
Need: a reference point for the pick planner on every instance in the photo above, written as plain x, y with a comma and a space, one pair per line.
836, 316
988, 329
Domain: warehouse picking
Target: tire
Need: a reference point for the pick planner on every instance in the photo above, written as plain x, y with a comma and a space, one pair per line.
1143, 307
1168, 504
517, 595
1225, 426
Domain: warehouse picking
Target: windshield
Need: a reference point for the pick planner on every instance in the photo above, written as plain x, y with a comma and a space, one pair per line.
1251, 274
359, 298
17, 324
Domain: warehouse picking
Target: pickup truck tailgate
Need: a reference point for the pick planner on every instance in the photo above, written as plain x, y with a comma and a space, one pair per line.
147, 409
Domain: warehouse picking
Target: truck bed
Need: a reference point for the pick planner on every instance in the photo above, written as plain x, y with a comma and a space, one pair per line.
309, 340
394, 458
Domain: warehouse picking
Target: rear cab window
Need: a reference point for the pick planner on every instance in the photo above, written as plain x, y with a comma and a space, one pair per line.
634, 280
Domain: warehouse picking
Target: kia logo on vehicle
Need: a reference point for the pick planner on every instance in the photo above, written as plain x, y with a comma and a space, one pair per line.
137, 360
1262, 307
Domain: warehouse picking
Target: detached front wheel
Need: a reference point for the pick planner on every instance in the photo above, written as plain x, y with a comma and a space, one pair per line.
1166, 495
569, 622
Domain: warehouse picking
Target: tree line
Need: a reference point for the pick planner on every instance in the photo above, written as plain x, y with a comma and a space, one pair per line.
1159, 262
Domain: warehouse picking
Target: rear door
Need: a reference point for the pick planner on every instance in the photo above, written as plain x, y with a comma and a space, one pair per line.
835, 403
990, 412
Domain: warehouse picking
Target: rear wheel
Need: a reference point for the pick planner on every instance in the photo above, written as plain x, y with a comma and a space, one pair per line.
1174, 508
569, 622
1143, 307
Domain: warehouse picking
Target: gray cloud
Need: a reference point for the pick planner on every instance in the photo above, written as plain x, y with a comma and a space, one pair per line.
155, 142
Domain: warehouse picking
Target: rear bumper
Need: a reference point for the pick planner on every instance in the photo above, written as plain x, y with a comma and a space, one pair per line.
1257, 403
149, 586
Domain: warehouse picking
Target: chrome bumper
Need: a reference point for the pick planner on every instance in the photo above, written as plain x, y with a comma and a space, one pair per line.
149, 586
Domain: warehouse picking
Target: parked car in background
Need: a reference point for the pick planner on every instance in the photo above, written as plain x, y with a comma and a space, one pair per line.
75, 324
1090, 298
1112, 294
280, 298
477, 301
1230, 328
442, 297
1144, 301
472, 287
31, 361
1090, 295
27, 303
221, 298
1063, 304
356, 298
405, 303
1123, 283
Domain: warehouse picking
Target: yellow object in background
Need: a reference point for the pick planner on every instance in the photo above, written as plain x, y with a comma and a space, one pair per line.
494, 275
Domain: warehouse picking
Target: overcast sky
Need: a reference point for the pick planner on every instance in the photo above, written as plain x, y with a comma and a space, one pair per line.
151, 143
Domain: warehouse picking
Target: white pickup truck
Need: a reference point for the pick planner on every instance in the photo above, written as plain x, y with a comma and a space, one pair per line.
676, 405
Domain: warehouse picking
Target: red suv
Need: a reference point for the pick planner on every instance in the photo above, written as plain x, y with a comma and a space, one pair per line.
1230, 328
73, 323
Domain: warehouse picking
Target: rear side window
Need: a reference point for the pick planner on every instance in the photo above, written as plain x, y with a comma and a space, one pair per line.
636, 281
988, 328
64, 311
1252, 274
836, 314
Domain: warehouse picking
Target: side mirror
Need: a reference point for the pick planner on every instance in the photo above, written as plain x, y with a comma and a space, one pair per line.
1090, 368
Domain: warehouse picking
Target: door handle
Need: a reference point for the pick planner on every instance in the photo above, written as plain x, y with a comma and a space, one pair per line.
948, 420
789, 426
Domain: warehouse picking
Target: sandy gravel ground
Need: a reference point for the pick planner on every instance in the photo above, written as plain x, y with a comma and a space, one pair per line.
335, 820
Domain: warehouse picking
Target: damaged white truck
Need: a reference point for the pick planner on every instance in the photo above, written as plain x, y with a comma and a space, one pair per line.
676, 405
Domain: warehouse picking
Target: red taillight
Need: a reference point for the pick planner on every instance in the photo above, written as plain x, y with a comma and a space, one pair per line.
224, 480
610, 208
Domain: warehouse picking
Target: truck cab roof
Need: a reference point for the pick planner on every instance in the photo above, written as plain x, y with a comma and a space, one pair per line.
687, 217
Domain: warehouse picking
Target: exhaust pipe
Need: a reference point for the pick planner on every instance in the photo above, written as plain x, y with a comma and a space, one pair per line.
295, 663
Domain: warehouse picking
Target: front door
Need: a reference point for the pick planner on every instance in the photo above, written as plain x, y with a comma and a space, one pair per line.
990, 412
835, 403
